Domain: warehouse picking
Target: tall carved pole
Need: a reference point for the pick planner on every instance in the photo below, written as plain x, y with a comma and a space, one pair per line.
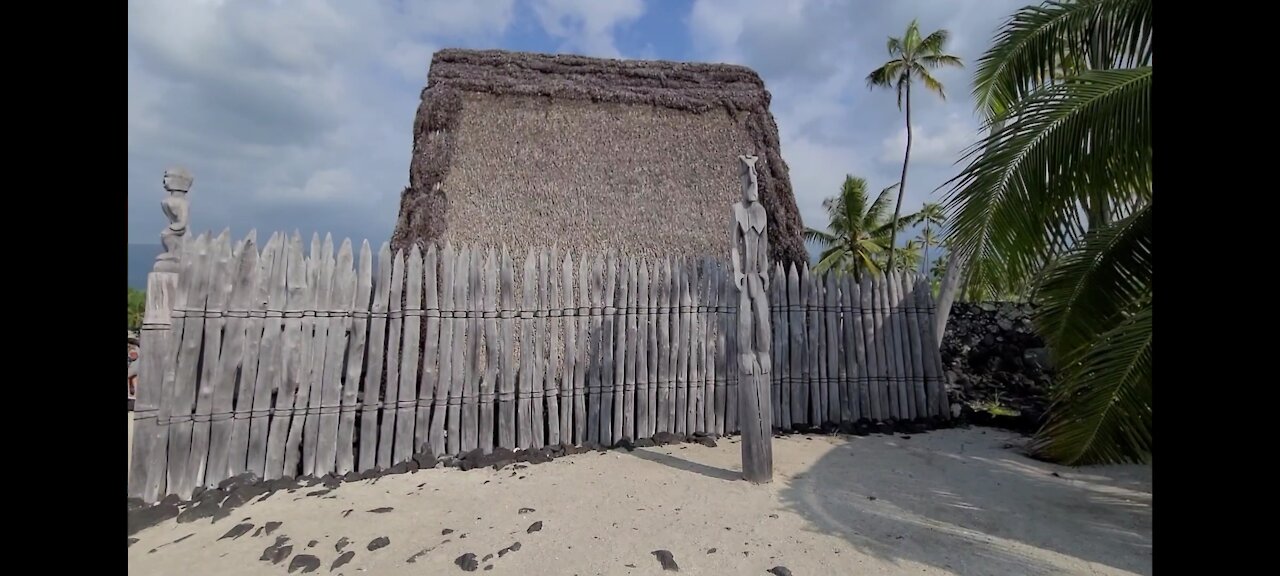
750, 256
147, 460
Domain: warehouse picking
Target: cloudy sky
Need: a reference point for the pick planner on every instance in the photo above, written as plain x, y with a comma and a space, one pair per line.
297, 114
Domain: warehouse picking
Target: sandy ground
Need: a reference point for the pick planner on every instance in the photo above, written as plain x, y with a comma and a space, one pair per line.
946, 502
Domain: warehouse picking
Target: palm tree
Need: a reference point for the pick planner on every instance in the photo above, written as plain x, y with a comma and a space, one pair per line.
913, 56
1057, 198
857, 231
908, 257
931, 214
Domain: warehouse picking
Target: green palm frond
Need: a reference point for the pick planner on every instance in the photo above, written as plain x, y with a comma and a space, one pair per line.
1089, 290
1102, 408
1041, 42
1022, 192
822, 239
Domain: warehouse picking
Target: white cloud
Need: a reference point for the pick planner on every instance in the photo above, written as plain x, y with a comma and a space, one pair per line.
930, 145
285, 107
814, 56
587, 26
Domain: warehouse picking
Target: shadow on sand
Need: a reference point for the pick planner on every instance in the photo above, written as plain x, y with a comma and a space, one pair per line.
976, 507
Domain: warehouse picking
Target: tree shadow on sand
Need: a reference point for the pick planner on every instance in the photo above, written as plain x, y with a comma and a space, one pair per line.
980, 508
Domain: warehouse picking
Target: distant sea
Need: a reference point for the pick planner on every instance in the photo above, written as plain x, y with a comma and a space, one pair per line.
141, 258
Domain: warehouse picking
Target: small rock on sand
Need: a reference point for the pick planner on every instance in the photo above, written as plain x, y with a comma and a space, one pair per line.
666, 559
304, 562
342, 560
237, 531
467, 562
779, 571
378, 542
535, 527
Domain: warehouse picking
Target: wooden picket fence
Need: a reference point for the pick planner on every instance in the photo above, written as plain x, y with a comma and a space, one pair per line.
272, 362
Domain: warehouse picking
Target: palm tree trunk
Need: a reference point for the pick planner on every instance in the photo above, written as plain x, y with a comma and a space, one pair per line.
947, 294
928, 236
902, 187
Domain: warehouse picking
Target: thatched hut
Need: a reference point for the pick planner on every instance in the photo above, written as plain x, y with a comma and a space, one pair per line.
591, 154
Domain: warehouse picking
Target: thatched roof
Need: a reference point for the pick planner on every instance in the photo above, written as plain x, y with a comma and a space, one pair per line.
588, 153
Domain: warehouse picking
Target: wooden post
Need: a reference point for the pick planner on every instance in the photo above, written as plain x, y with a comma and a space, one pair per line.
355, 360
430, 351
750, 255
492, 351
273, 450
148, 436
444, 396
372, 396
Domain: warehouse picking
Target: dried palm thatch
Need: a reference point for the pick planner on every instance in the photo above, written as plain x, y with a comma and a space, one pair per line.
591, 154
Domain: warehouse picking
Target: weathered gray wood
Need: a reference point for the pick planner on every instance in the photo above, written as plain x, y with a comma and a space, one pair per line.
289, 293
802, 349
339, 312
731, 357
551, 367
906, 399
938, 402
220, 284
818, 391
696, 340
326, 300
526, 381
627, 339
445, 392
710, 316
180, 389
147, 461
641, 339
475, 338
777, 310
850, 410
239, 443
507, 363
540, 353
430, 372
901, 355
312, 363
809, 370
244, 274
458, 389
568, 368
609, 381
835, 376
866, 299
860, 397
355, 360
594, 354
608, 305
885, 332
778, 321
796, 347
493, 349
915, 359
817, 368
407, 389
750, 261
681, 343
391, 388
372, 394
582, 364
663, 351
721, 349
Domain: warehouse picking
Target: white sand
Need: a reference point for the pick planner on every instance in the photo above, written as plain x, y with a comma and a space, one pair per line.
946, 502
